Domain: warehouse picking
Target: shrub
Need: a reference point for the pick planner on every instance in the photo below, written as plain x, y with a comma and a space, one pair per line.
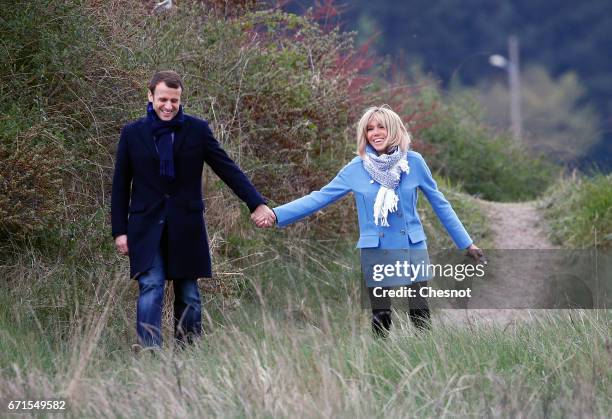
56, 128
30, 178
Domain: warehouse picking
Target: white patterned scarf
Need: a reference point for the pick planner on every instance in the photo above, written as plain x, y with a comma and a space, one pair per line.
386, 169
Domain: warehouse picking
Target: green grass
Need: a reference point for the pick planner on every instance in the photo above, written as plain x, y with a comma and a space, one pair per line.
264, 360
297, 343
579, 211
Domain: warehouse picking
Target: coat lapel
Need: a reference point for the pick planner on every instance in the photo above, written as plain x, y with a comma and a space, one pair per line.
146, 136
179, 138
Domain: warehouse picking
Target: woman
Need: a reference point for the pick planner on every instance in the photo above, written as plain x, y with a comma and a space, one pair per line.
384, 179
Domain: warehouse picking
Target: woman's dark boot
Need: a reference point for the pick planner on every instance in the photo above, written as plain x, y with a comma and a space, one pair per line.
420, 318
381, 322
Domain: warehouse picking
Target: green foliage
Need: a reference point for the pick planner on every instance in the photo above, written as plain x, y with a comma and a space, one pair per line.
579, 210
490, 166
555, 120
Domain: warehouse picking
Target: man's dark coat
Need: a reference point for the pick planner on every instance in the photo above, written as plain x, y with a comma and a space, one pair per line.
143, 202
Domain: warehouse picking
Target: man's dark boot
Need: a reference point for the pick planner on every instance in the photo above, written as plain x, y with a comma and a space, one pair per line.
420, 318
381, 322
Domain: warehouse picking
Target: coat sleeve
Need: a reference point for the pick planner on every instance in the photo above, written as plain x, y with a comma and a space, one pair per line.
306, 205
229, 172
122, 184
441, 206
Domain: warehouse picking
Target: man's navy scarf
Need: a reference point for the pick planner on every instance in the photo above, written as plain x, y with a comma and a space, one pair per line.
163, 135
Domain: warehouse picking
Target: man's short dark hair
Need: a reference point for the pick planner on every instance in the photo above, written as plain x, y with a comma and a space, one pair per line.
171, 78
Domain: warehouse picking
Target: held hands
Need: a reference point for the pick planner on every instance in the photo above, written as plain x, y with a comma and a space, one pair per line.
263, 216
121, 243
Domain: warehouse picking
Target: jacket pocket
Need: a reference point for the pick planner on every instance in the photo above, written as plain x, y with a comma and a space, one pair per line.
417, 235
196, 205
368, 241
136, 207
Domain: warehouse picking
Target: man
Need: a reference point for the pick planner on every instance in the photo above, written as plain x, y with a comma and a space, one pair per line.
157, 206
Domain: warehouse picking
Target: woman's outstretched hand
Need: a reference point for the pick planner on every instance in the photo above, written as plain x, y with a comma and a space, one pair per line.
476, 253
263, 216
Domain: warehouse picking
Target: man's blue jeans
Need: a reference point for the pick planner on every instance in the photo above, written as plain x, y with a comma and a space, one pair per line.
187, 306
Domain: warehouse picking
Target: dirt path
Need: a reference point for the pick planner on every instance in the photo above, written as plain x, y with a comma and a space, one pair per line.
514, 226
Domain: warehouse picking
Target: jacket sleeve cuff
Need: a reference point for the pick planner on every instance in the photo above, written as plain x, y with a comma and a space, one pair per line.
254, 204
464, 243
118, 233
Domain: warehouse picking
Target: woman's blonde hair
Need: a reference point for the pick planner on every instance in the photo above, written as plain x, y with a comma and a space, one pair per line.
396, 130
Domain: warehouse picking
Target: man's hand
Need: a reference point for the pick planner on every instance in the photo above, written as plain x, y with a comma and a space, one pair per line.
121, 244
476, 253
263, 216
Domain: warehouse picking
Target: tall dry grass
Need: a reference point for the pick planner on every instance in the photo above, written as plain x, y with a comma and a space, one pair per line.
300, 344
268, 361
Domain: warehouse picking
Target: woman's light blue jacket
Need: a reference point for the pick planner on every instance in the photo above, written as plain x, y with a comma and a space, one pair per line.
405, 230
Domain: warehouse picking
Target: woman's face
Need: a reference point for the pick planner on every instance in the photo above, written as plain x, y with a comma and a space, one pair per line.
376, 134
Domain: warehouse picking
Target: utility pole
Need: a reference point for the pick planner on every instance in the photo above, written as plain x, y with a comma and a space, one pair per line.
512, 66
514, 81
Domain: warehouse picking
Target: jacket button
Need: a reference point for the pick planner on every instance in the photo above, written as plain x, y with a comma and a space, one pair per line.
402, 231
161, 221
167, 196
381, 234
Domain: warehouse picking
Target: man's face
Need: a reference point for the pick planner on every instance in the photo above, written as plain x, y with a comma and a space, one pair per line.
166, 101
